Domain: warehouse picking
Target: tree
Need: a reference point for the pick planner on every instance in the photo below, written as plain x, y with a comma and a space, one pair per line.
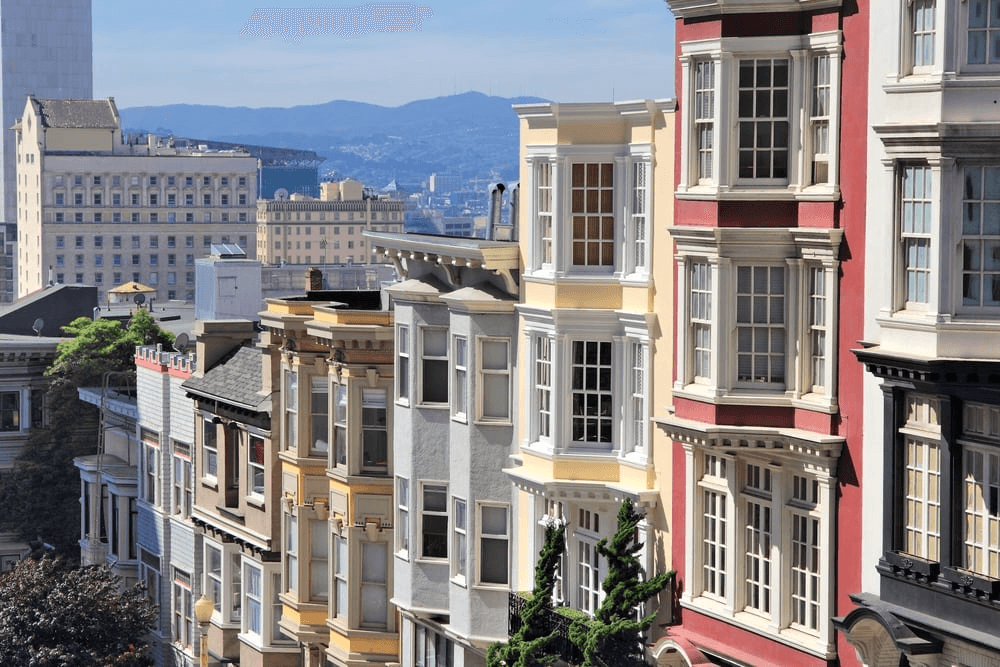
54, 615
612, 637
531, 644
40, 495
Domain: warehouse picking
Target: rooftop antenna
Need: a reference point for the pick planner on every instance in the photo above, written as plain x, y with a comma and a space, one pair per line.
37, 325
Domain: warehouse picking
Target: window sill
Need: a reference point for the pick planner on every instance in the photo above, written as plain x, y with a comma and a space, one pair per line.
492, 588
256, 501
718, 396
210, 483
460, 581
424, 560
493, 422
402, 555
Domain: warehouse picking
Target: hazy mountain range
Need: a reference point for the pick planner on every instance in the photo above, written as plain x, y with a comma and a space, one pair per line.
470, 134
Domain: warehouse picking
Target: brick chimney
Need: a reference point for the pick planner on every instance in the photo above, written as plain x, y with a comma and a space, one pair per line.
314, 279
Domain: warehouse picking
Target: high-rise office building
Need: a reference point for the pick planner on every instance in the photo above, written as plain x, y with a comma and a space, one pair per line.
46, 50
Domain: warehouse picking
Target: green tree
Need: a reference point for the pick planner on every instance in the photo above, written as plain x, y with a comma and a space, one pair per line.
531, 645
54, 615
40, 495
612, 638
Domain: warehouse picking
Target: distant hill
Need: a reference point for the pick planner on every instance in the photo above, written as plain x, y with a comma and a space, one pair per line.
468, 134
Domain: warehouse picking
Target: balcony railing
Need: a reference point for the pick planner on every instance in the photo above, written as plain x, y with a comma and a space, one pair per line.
554, 620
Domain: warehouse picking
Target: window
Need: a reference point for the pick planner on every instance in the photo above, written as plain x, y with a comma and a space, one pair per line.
210, 450
183, 610
434, 365
241, 199
154, 199
374, 432
60, 217
98, 199
432, 649
319, 420
980, 237
341, 565
78, 199
242, 181
592, 207
543, 386
255, 465
701, 320
38, 408
981, 489
459, 553
403, 363
588, 563
116, 199
213, 576
752, 87
638, 220
182, 479
638, 390
460, 378
763, 119
318, 560
591, 392
171, 181
922, 460
253, 598
494, 379
544, 211
402, 530
116, 260
189, 199
149, 576
224, 200
760, 324
291, 556
984, 30
206, 199
340, 424
60, 199
188, 181
704, 120
786, 273
150, 467
134, 199
915, 230
434, 521
374, 590
10, 411
291, 409
494, 544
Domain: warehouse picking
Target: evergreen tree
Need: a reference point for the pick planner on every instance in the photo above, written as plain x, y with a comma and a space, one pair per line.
531, 645
40, 495
53, 615
612, 638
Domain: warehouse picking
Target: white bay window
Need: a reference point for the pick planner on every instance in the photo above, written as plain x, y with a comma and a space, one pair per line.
773, 291
591, 210
761, 116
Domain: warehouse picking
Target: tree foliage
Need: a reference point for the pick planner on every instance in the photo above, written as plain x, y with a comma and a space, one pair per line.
531, 644
612, 638
40, 495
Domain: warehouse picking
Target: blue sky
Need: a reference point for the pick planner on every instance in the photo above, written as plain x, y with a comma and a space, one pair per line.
190, 51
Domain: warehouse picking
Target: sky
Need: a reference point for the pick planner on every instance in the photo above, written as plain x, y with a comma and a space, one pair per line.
191, 51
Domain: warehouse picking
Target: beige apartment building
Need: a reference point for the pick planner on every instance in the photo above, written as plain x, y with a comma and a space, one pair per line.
96, 208
305, 230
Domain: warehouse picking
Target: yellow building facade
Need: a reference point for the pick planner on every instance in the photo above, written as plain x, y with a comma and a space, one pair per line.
334, 355
595, 333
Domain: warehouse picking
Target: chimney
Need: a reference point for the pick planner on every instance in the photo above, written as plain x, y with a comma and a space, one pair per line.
314, 279
496, 206
217, 338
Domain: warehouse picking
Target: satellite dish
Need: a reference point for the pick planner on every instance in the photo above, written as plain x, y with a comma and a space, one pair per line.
181, 343
37, 325
139, 299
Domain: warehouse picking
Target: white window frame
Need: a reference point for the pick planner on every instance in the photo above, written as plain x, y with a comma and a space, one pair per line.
912, 204
964, 40
291, 384
638, 228
290, 560
149, 577
372, 588
637, 405
253, 624
402, 530
460, 378
182, 610
543, 376
209, 453
319, 419
183, 493
425, 359
921, 434
726, 568
722, 252
439, 488
483, 537
339, 453
459, 540
214, 587
150, 467
919, 35
404, 368
588, 393
979, 242
319, 561
340, 593
488, 376
254, 468
373, 402
591, 568
545, 213
726, 53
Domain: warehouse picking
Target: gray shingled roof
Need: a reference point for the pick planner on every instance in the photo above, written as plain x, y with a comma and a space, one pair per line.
236, 381
78, 113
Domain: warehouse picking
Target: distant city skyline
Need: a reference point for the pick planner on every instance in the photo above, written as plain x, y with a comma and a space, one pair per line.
564, 50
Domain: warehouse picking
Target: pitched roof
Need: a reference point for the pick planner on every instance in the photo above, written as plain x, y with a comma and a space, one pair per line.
236, 381
78, 113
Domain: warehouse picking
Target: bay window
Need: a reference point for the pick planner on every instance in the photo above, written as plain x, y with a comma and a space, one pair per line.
291, 553
494, 544
760, 549
743, 130
460, 376
402, 529
434, 365
981, 237
318, 560
150, 467
459, 550
779, 287
320, 404
340, 424
183, 609
182, 480
291, 409
915, 222
374, 585
434, 521
591, 394
253, 600
403, 363
340, 569
922, 27
255, 465
590, 210
543, 387
374, 432
983, 31
210, 450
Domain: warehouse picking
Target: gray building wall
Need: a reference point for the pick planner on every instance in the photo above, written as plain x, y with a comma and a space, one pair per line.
46, 48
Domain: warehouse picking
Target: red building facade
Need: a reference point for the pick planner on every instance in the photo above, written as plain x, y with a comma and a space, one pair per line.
767, 401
